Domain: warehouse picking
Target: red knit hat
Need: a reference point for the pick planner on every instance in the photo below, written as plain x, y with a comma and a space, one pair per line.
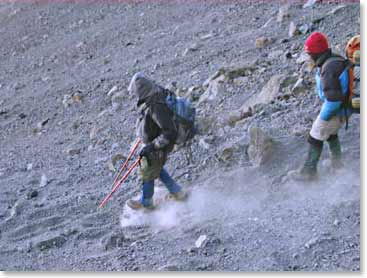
316, 43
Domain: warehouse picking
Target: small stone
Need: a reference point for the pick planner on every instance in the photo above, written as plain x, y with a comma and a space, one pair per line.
93, 132
55, 242
275, 54
169, 268
207, 36
204, 144
311, 242
117, 157
29, 166
76, 98
113, 241
201, 241
117, 99
41, 124
192, 48
112, 91
336, 222
262, 42
32, 194
212, 92
299, 86
43, 181
304, 29
303, 57
66, 101
293, 30
288, 55
73, 151
226, 154
310, 3
283, 13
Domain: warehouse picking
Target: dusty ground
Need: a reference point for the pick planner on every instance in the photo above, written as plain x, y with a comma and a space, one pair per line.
60, 128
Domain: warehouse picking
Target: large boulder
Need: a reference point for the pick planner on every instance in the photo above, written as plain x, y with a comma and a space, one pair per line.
260, 148
268, 93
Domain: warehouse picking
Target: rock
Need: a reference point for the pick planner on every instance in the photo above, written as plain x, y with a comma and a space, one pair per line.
192, 48
304, 29
336, 9
200, 242
169, 267
53, 242
112, 91
237, 116
41, 124
205, 124
216, 75
262, 42
283, 13
93, 132
311, 242
288, 55
29, 166
260, 148
226, 153
43, 181
293, 30
194, 93
268, 93
76, 97
336, 222
303, 57
212, 92
204, 144
111, 165
275, 54
207, 36
32, 194
73, 151
299, 86
117, 157
234, 71
116, 100
113, 241
310, 3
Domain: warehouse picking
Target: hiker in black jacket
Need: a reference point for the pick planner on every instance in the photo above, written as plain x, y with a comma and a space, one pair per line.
157, 130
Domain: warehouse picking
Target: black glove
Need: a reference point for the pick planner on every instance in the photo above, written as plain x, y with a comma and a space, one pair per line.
147, 150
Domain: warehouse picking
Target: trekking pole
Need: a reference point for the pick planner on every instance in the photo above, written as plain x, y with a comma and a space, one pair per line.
120, 182
127, 160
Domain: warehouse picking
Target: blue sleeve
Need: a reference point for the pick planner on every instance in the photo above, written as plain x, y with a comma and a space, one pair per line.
329, 109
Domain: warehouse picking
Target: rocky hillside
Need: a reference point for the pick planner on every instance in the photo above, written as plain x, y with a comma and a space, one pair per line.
67, 123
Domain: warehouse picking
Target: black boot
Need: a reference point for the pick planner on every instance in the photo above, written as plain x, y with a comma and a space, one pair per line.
308, 171
335, 152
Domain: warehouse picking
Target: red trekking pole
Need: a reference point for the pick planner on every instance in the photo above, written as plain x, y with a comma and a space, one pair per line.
120, 182
116, 182
127, 160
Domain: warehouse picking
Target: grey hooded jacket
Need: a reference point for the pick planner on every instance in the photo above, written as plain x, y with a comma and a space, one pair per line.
155, 124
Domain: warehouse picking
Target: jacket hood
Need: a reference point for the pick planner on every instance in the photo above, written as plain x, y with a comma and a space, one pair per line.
144, 88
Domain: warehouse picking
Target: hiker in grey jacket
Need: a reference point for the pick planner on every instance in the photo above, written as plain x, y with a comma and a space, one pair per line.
157, 130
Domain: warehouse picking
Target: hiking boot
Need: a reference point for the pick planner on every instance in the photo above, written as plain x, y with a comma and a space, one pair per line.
137, 205
303, 174
308, 171
335, 152
178, 196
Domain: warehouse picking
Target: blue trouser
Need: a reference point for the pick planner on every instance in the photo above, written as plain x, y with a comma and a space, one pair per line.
148, 187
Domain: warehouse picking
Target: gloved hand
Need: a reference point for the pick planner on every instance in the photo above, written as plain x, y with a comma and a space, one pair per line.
147, 150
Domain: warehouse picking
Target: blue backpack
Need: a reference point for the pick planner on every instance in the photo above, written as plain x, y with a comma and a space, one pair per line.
184, 116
